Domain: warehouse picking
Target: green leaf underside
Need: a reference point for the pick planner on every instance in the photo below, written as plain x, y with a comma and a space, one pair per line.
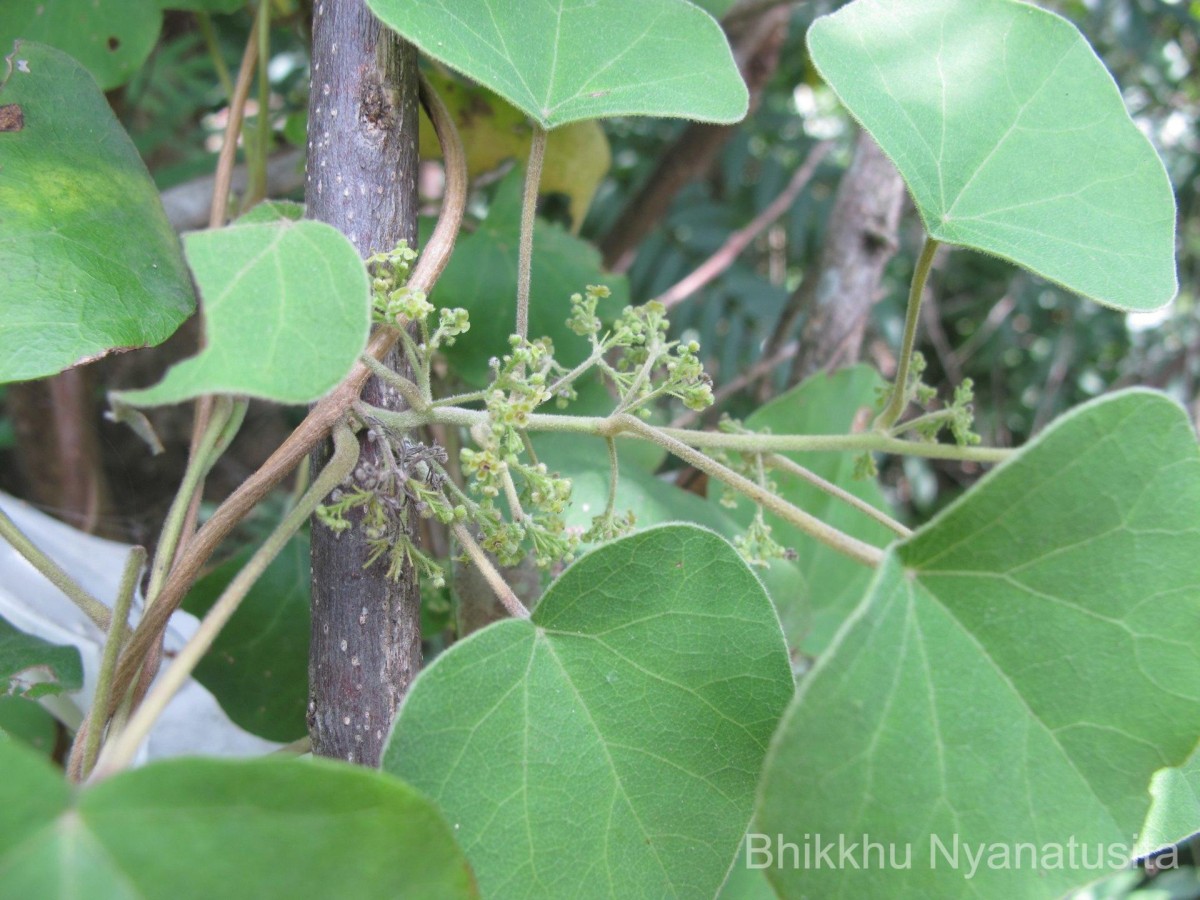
1012, 137
30, 663
110, 38
90, 262
258, 666
814, 605
609, 746
560, 61
482, 278
286, 314
1016, 673
201, 828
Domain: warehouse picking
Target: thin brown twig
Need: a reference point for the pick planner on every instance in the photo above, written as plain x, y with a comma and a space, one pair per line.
737, 242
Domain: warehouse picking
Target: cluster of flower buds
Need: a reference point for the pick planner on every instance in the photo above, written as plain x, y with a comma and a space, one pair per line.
393, 301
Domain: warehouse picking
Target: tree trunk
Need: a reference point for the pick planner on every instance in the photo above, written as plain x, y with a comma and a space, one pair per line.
362, 163
836, 295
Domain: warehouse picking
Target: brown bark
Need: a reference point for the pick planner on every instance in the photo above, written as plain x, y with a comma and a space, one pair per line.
836, 295
362, 163
694, 151
57, 446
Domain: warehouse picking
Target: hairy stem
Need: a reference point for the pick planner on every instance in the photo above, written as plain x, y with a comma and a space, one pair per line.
87, 739
533, 177
776, 461
614, 474
54, 573
899, 397
120, 752
749, 443
199, 462
504, 593
857, 550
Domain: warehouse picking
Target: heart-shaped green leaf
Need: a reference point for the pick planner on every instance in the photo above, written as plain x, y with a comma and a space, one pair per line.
90, 262
111, 38
33, 667
482, 278
286, 314
814, 605
561, 61
1011, 136
209, 828
609, 746
1017, 672
258, 666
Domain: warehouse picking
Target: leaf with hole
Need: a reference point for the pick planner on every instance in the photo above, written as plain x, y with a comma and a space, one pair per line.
90, 262
1016, 673
110, 38
286, 313
1012, 137
269, 827
30, 666
608, 746
560, 61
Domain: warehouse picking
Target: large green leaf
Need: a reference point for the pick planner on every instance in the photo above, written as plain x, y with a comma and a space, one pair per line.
111, 38
1012, 137
202, 828
286, 314
29, 665
258, 666
1017, 672
482, 278
560, 61
818, 591
90, 262
609, 746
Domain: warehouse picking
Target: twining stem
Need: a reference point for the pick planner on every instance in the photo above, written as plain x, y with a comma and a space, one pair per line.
776, 461
54, 573
409, 391
222, 417
120, 752
533, 177
257, 188
216, 218
503, 592
233, 127
899, 397
320, 420
87, 739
